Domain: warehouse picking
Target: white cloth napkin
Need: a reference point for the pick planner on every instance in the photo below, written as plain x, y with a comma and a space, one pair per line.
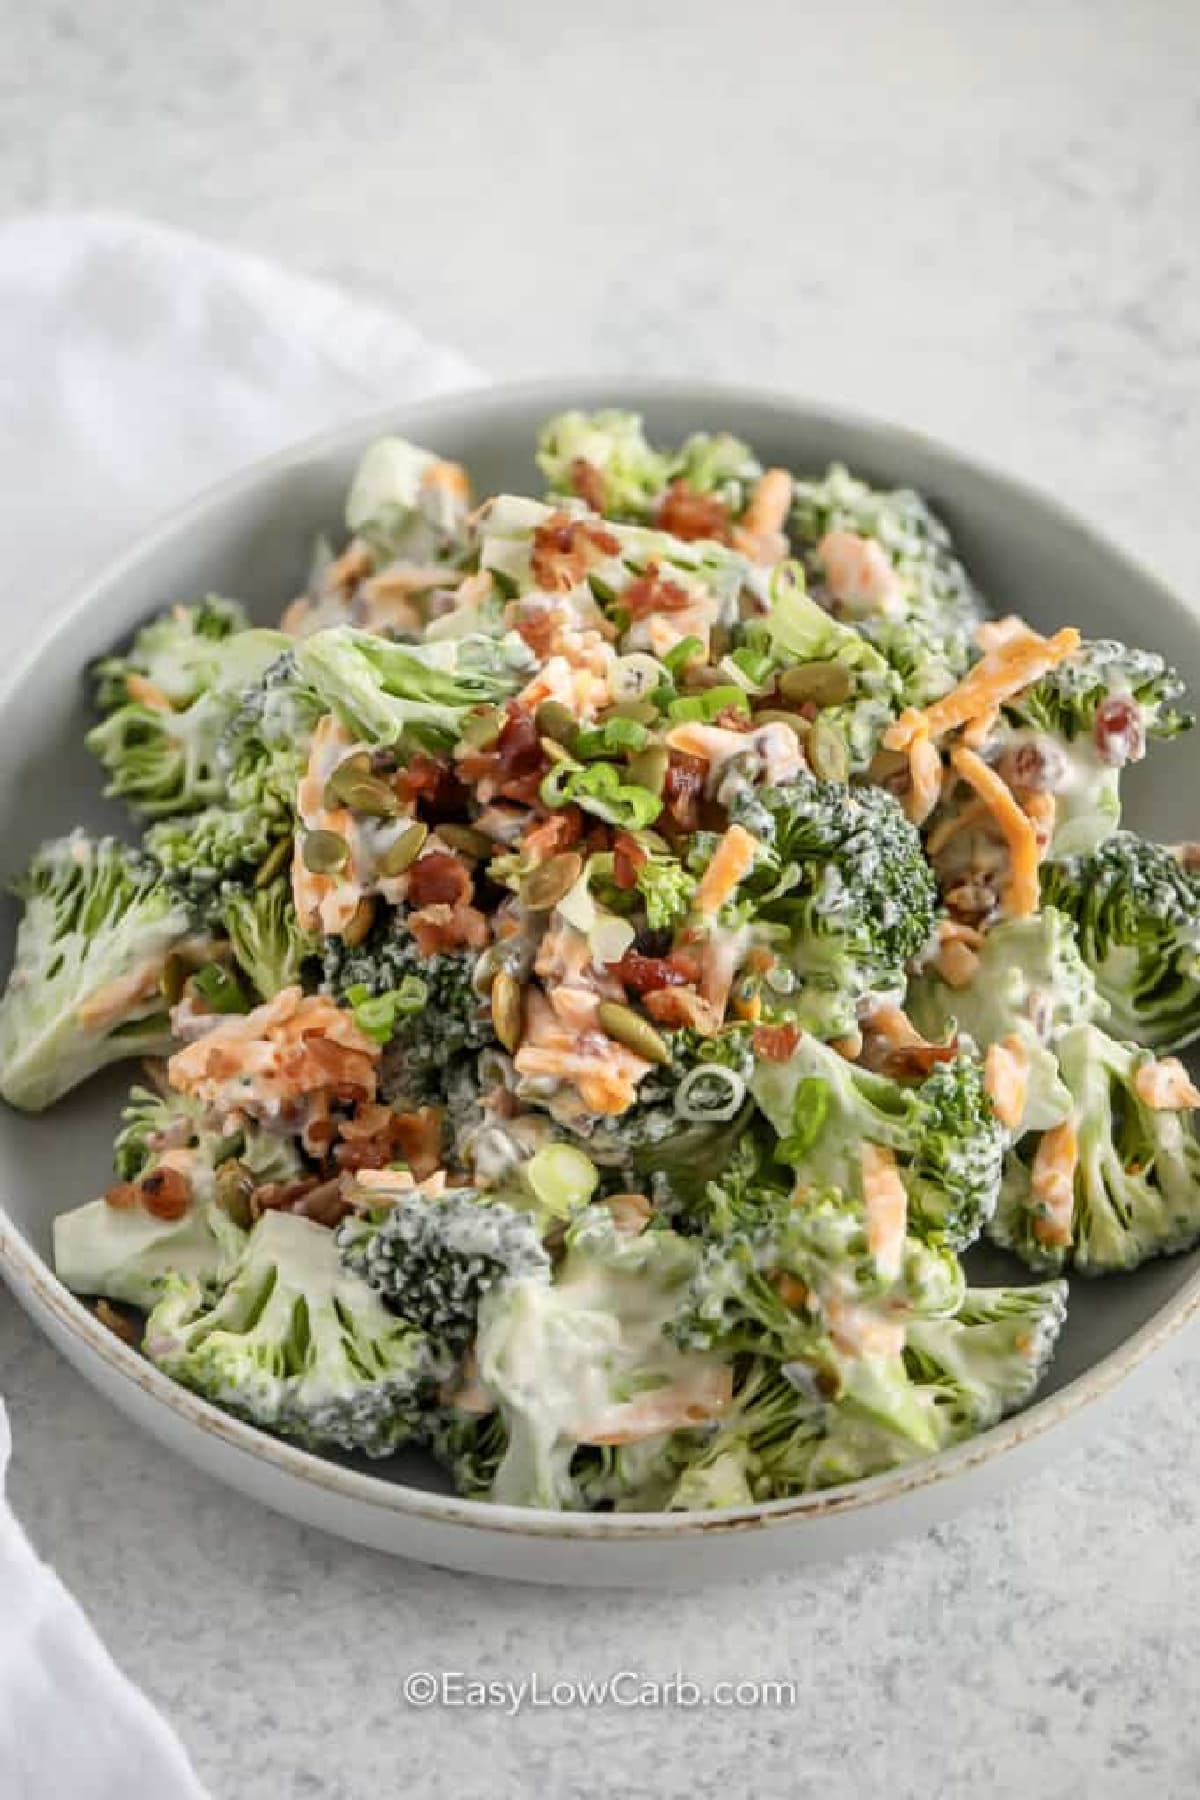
137, 365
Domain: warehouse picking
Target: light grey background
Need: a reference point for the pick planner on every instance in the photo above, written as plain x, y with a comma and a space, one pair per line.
980, 219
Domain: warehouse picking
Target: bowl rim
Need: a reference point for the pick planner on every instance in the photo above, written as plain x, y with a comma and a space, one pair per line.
30, 1275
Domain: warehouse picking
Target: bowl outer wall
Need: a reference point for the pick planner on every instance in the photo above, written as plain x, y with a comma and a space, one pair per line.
252, 536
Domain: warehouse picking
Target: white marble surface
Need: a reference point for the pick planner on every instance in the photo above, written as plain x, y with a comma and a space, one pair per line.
977, 218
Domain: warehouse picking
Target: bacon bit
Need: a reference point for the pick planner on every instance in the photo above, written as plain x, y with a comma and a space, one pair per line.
683, 788
648, 974
281, 1196
440, 878
1053, 1183
1021, 892
683, 1006
433, 783
886, 1204
732, 861
561, 831
628, 858
564, 549
411, 1137
116, 1322
122, 1195
776, 1043
587, 481
444, 927
653, 593
1006, 1079
1002, 673
165, 1193
691, 516
1166, 1086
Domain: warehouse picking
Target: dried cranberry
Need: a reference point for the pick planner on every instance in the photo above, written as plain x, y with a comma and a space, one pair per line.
1119, 732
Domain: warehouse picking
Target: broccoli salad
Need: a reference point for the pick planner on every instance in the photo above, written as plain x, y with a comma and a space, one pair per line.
598, 967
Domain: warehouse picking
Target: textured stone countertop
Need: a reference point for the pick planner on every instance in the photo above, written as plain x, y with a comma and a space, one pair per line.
978, 219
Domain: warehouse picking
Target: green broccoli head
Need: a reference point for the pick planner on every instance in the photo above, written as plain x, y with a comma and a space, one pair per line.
1030, 977
153, 1123
845, 884
267, 940
1120, 1181
470, 1446
433, 1258
86, 982
1136, 908
400, 508
631, 476
262, 755
987, 1359
431, 1011
168, 702
298, 1345
1107, 691
420, 694
129, 1254
925, 630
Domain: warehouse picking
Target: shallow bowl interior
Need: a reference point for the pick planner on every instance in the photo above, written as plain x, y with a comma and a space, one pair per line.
253, 538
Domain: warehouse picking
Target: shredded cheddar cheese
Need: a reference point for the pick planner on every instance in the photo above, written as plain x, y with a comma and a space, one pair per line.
1017, 829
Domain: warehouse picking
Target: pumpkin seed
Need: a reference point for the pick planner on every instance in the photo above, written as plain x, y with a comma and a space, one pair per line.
554, 720
828, 757
273, 863
555, 752
642, 712
546, 885
468, 840
648, 768
361, 921
404, 852
324, 852
508, 1009
629, 1028
774, 716
234, 1186
365, 794
481, 729
349, 770
824, 683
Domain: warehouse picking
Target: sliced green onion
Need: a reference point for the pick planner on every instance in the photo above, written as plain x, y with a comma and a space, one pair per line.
562, 1178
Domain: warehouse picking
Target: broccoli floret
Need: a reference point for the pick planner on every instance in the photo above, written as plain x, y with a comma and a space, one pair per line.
987, 1360
384, 692
780, 1289
153, 1123
470, 1446
298, 1345
1030, 978
1067, 699
266, 937
665, 886
167, 704
127, 1254
632, 476
1136, 909
718, 465
1132, 1190
262, 754
433, 1259
86, 983
407, 504
925, 630
443, 1016
845, 884
586, 1358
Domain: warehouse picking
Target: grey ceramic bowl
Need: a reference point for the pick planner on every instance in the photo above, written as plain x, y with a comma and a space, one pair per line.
252, 537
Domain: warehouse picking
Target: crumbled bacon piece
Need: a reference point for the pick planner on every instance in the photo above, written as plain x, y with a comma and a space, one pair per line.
683, 788
654, 593
411, 1137
442, 927
776, 1043
683, 1007
647, 974
587, 481
564, 549
628, 858
688, 515
439, 879
561, 831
